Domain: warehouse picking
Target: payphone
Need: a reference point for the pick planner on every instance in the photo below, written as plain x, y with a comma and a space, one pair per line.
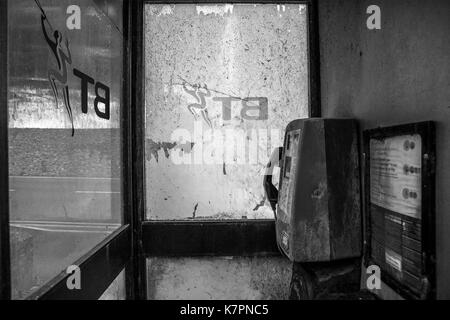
317, 206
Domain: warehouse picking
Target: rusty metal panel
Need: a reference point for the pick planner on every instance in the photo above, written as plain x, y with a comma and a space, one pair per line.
318, 215
344, 196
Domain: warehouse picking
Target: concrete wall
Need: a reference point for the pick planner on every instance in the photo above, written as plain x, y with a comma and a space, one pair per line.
398, 74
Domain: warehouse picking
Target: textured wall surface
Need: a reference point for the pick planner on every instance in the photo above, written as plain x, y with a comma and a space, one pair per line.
21, 258
219, 278
253, 55
398, 74
54, 152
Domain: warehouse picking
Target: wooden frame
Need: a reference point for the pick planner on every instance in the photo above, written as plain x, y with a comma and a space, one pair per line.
107, 259
137, 142
428, 231
5, 269
315, 108
245, 238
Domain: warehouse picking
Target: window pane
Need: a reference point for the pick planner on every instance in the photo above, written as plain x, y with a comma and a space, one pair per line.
65, 76
219, 278
222, 83
116, 290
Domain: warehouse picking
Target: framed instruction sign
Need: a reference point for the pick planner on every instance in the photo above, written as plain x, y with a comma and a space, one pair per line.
400, 205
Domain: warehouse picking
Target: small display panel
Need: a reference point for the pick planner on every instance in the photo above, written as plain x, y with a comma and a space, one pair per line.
287, 167
288, 185
395, 170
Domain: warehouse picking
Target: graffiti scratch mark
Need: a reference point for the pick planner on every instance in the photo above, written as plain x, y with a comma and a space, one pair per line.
195, 210
199, 92
184, 81
259, 205
153, 148
63, 56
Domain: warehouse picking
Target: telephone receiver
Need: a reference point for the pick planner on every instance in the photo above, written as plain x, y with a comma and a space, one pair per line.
269, 188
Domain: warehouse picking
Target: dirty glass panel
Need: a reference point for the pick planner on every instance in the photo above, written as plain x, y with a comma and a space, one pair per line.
64, 82
221, 84
219, 278
116, 290
223, 278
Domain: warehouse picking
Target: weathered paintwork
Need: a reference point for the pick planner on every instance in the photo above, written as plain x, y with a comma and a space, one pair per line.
322, 220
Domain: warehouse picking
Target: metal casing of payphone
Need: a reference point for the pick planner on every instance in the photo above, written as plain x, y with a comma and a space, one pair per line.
318, 213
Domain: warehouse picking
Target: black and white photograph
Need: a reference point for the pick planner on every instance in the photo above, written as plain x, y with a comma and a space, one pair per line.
225, 155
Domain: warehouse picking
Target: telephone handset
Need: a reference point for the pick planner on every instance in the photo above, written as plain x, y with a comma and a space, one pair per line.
269, 188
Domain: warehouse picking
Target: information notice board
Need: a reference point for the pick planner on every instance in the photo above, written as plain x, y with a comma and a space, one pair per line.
397, 162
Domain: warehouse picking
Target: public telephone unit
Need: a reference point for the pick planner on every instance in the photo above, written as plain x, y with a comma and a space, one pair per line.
317, 206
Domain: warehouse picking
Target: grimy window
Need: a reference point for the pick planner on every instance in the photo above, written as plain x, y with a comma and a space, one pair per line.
222, 81
64, 93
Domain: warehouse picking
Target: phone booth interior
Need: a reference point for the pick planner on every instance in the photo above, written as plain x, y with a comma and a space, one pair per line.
318, 208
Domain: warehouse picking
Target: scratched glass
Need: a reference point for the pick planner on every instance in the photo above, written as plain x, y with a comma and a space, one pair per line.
218, 278
222, 83
64, 133
116, 290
